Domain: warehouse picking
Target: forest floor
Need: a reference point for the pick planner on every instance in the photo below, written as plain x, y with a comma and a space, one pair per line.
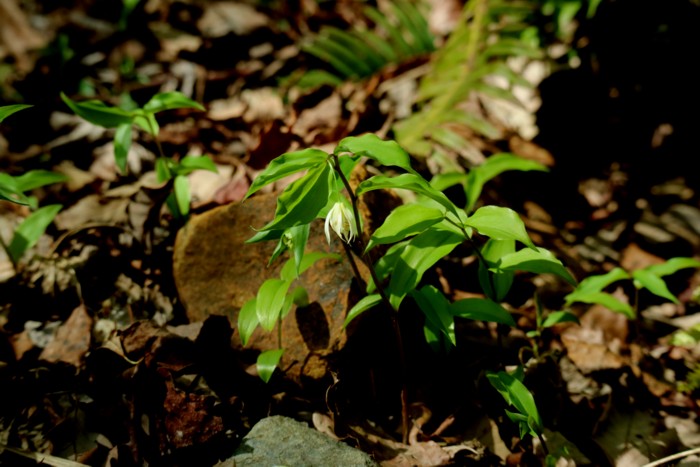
116, 348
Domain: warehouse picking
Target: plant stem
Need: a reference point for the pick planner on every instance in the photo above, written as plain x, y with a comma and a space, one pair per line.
544, 444
380, 289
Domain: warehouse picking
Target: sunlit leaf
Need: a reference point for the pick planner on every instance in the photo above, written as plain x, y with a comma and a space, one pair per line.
247, 320
99, 113
170, 100
189, 164
499, 223
181, 189
363, 305
672, 266
267, 363
538, 261
595, 284
558, 317
30, 230
405, 221
386, 152
269, 302
7, 110
288, 164
495, 282
37, 178
481, 309
421, 253
410, 182
601, 298
122, 144
301, 201
643, 278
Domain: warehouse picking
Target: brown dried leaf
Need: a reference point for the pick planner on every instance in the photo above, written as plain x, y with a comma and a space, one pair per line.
72, 340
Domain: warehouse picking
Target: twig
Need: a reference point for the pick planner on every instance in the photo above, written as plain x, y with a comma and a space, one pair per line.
673, 457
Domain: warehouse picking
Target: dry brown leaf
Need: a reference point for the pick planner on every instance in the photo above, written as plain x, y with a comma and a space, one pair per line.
221, 18
72, 340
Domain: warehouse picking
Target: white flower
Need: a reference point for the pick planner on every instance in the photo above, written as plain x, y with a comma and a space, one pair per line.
341, 219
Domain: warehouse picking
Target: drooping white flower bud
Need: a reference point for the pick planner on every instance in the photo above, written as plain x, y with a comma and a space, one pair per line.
341, 219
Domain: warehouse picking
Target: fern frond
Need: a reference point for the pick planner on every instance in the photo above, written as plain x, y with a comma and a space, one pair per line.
478, 49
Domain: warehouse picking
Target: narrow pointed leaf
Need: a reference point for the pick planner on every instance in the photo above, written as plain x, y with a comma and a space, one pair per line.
247, 320
386, 152
99, 113
420, 254
309, 259
598, 283
189, 164
538, 261
410, 182
287, 164
496, 282
672, 266
643, 278
181, 189
360, 307
7, 110
557, 317
122, 144
403, 222
481, 309
267, 363
269, 302
301, 201
436, 309
602, 298
30, 230
37, 178
170, 100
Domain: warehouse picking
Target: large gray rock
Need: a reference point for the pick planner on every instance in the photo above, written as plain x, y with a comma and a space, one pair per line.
283, 441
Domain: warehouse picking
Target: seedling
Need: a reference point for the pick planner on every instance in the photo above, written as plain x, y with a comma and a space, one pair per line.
14, 189
99, 113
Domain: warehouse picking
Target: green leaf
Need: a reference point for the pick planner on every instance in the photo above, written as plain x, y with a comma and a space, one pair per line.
410, 182
9, 190
672, 266
170, 100
387, 153
296, 237
516, 394
189, 164
481, 309
301, 201
405, 221
247, 320
288, 164
181, 188
443, 181
492, 167
267, 363
7, 110
601, 298
269, 302
99, 113
495, 282
147, 122
289, 270
363, 305
164, 170
593, 284
37, 178
538, 261
436, 309
557, 317
421, 253
646, 279
30, 230
122, 144
499, 223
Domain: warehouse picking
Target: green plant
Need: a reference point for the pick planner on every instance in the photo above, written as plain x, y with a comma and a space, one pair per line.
13, 189
510, 386
420, 234
542, 323
124, 119
489, 32
591, 289
401, 32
